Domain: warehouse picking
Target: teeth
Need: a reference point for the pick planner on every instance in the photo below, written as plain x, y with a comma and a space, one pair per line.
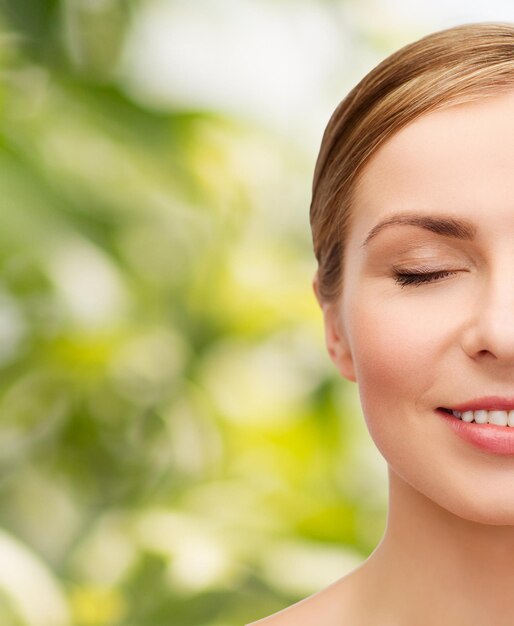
482, 417
500, 418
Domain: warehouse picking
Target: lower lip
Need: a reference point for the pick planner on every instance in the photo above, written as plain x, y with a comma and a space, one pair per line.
488, 437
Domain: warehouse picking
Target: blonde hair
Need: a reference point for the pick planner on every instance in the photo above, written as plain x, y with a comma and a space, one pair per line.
453, 66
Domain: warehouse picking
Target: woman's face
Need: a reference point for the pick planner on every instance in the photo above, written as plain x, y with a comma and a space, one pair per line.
415, 347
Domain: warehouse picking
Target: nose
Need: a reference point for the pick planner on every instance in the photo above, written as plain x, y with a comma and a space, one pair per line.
489, 334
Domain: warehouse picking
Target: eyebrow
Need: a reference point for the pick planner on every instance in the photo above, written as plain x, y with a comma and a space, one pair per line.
447, 226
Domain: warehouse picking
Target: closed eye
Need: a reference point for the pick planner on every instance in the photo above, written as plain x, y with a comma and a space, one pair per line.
420, 277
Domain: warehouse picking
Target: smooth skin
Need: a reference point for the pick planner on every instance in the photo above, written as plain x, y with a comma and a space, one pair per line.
447, 554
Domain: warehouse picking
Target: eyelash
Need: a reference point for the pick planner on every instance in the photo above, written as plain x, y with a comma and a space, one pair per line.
415, 279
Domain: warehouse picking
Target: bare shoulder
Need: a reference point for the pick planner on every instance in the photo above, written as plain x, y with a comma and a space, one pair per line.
336, 605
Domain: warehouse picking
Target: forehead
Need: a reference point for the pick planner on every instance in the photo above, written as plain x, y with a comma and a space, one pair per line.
459, 159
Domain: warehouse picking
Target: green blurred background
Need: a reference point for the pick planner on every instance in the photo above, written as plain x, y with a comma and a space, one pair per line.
176, 447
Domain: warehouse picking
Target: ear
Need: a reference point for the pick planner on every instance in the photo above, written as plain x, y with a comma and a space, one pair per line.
335, 335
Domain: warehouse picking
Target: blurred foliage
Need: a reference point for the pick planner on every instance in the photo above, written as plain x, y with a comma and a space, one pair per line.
175, 447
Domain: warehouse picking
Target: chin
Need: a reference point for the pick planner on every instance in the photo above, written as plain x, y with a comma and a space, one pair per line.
493, 507
483, 497
491, 514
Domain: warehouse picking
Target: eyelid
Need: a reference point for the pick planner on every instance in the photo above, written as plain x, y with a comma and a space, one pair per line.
412, 256
428, 246
422, 269
417, 278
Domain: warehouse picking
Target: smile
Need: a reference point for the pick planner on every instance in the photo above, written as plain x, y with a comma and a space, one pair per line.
489, 430
499, 418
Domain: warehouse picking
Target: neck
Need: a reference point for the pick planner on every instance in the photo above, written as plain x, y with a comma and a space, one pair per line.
433, 567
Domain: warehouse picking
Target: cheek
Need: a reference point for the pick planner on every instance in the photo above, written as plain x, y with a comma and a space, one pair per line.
391, 344
397, 348
407, 357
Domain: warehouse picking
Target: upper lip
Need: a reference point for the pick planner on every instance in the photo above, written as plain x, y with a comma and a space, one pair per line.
486, 403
